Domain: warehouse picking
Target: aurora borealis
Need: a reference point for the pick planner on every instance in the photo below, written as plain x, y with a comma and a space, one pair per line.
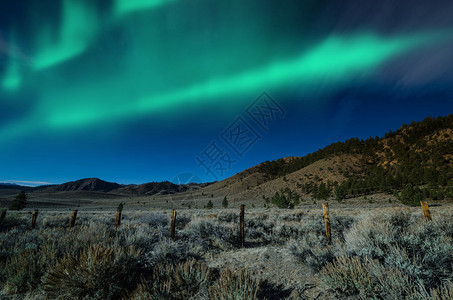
133, 90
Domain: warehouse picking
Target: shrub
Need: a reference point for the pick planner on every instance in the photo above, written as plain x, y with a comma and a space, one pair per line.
142, 292
55, 221
194, 280
374, 235
22, 272
182, 220
411, 195
228, 217
168, 251
99, 272
154, 219
313, 250
445, 292
237, 286
143, 237
181, 281
365, 278
204, 235
12, 220
418, 249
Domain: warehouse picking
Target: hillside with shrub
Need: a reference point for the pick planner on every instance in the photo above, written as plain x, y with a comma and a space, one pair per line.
412, 163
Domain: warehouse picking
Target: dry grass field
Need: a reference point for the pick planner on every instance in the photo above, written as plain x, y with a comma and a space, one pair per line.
377, 252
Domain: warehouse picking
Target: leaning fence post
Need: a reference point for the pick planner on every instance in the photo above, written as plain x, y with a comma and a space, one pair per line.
325, 209
73, 219
118, 218
425, 209
172, 224
34, 216
241, 225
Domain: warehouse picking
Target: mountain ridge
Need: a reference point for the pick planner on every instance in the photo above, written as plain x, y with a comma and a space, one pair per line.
417, 154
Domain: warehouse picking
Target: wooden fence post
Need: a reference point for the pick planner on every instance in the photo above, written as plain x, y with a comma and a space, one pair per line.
118, 218
73, 219
3, 216
172, 224
325, 209
241, 226
425, 209
34, 216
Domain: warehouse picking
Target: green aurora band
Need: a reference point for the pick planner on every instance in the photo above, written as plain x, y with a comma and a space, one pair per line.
136, 89
123, 7
334, 61
12, 78
78, 30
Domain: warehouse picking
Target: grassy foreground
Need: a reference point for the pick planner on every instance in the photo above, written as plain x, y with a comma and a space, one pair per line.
382, 254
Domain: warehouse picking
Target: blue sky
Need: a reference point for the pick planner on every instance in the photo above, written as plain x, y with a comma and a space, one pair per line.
137, 91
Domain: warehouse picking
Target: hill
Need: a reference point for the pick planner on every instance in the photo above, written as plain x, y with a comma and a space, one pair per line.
101, 186
13, 186
413, 163
156, 188
87, 184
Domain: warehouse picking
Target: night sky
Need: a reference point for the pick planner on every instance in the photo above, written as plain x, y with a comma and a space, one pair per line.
135, 91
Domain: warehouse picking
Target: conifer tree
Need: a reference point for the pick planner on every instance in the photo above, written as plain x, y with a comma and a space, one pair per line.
210, 205
225, 202
19, 202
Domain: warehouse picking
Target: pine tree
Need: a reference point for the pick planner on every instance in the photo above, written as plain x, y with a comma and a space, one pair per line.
315, 191
225, 202
210, 205
19, 202
340, 193
323, 191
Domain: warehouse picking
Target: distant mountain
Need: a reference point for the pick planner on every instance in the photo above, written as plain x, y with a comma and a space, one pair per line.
98, 185
87, 184
9, 184
13, 186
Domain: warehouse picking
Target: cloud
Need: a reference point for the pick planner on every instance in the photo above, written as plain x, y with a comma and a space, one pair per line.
430, 67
